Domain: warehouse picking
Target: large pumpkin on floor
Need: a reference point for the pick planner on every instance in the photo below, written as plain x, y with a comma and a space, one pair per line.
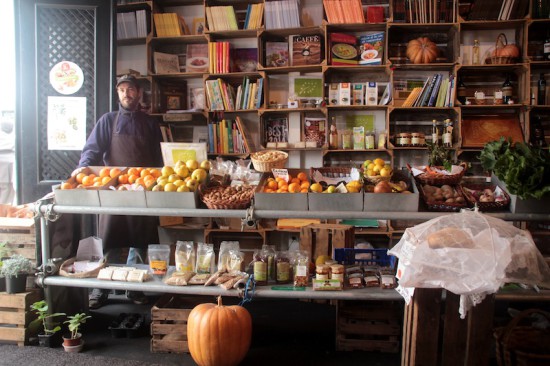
422, 50
219, 335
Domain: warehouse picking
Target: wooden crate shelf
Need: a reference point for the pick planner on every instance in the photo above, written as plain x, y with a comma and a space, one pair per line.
15, 316
20, 236
364, 326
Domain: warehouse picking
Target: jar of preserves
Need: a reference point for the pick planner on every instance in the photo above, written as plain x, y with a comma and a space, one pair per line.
418, 139
403, 139
283, 270
337, 272
322, 272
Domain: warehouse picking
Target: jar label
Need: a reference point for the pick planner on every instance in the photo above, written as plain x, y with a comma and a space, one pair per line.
283, 271
260, 271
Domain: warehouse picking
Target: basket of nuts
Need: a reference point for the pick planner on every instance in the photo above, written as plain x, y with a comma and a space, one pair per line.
227, 197
266, 160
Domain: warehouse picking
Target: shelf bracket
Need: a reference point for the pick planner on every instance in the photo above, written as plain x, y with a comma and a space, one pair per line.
249, 222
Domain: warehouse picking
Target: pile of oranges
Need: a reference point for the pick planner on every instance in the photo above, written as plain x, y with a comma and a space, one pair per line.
298, 184
146, 177
84, 180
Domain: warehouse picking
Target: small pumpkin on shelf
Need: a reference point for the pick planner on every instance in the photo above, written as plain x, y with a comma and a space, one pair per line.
504, 52
422, 51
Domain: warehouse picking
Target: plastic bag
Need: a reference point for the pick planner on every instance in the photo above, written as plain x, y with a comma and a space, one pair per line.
185, 256
468, 254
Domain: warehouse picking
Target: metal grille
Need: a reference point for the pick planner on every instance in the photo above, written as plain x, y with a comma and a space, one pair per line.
63, 35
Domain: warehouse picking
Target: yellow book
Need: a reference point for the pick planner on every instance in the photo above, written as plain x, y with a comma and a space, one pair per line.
211, 57
252, 96
159, 24
210, 19
231, 18
259, 16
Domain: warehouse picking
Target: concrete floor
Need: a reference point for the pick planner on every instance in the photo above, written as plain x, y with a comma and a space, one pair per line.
289, 332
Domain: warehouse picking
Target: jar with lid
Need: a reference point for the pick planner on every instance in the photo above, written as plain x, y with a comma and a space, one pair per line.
346, 139
418, 139
270, 252
337, 272
403, 139
322, 272
369, 139
283, 270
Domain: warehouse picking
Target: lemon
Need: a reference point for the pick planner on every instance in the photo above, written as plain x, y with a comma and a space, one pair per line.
379, 162
316, 187
322, 259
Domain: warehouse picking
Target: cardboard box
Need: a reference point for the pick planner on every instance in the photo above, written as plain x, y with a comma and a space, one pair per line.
171, 199
394, 202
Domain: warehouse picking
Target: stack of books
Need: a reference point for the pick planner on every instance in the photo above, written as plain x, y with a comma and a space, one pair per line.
170, 25
282, 14
221, 18
344, 11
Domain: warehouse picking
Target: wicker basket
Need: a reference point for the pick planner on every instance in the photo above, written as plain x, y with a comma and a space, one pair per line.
213, 200
437, 179
266, 160
485, 206
63, 270
521, 345
500, 43
443, 206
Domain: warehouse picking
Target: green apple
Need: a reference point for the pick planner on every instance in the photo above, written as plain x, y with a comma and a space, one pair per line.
192, 164
183, 189
182, 171
172, 178
192, 184
199, 175
367, 163
205, 164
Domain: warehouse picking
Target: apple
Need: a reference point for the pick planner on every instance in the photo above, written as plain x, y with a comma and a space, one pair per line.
170, 187
161, 181
182, 171
331, 189
192, 184
166, 171
200, 175
179, 163
183, 189
172, 178
205, 164
367, 163
179, 183
192, 164
158, 188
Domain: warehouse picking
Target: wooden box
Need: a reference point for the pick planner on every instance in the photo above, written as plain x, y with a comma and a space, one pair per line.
368, 326
20, 236
322, 239
169, 322
15, 316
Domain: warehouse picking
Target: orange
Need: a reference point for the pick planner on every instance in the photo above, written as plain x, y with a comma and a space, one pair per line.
295, 180
88, 180
79, 177
305, 185
92, 175
144, 172
268, 190
105, 180
302, 176
133, 171
123, 179
105, 172
97, 184
281, 183
97, 179
283, 188
272, 185
294, 187
114, 172
303, 190
140, 181
155, 172
66, 185
132, 178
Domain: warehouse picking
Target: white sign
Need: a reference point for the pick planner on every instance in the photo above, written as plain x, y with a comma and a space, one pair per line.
66, 77
66, 123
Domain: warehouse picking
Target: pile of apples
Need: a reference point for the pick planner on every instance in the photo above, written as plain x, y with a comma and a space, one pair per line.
376, 167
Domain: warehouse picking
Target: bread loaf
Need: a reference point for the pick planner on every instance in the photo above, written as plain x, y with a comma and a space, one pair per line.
450, 237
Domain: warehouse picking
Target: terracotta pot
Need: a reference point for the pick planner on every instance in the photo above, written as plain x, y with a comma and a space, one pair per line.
74, 349
71, 342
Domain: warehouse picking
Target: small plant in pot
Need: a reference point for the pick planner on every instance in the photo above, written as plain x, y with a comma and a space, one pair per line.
50, 337
73, 342
16, 269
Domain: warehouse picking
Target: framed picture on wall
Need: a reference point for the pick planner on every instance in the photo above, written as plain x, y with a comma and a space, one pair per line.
173, 102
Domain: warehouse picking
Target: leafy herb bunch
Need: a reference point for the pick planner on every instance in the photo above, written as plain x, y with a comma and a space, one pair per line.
523, 168
439, 156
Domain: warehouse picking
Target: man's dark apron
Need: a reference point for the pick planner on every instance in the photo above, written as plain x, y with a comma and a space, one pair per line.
128, 231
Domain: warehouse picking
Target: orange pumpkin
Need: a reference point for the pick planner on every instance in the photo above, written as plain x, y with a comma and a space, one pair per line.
510, 50
219, 335
422, 51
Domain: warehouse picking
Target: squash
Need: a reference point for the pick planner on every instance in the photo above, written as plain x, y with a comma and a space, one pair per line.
219, 335
422, 50
505, 49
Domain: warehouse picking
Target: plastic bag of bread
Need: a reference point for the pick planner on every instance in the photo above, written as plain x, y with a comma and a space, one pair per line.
467, 253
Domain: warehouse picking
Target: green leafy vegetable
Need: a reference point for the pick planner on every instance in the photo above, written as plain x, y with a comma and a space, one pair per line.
523, 168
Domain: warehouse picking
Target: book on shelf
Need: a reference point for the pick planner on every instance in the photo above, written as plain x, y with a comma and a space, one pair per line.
214, 95
219, 54
196, 59
254, 13
282, 14
315, 130
371, 48
221, 18
435, 89
344, 11
198, 25
247, 142
245, 59
276, 54
127, 25
196, 98
166, 63
304, 49
275, 130
343, 49
386, 95
375, 14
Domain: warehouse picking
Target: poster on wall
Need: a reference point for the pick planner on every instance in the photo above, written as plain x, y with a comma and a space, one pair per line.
66, 123
66, 77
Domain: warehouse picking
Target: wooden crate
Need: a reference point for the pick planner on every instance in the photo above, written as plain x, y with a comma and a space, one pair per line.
15, 316
368, 326
20, 236
169, 322
322, 239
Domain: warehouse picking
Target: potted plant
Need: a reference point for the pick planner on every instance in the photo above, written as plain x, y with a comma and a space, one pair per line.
73, 342
16, 269
50, 337
3, 254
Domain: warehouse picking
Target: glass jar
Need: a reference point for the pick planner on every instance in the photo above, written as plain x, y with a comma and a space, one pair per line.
418, 139
403, 139
369, 140
282, 267
346, 139
322, 272
260, 267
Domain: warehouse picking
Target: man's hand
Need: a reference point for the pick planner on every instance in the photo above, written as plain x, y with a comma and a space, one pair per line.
78, 170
